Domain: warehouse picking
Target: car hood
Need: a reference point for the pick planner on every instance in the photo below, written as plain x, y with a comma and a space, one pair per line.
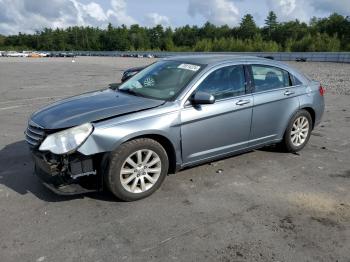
90, 107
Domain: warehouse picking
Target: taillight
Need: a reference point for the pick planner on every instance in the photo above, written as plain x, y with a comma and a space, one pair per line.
322, 90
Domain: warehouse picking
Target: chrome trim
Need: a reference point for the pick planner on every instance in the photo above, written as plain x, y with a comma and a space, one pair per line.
30, 142
40, 133
34, 134
31, 123
37, 138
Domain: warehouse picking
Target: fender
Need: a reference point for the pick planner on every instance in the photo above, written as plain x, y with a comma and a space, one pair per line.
106, 138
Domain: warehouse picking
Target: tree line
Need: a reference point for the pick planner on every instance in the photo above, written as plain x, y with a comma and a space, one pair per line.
320, 34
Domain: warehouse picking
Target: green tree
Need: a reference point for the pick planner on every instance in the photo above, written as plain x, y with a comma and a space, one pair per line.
321, 34
271, 24
2, 40
271, 20
156, 36
167, 41
247, 27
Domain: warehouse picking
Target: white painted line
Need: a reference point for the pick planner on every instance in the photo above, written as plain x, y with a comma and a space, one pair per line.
10, 107
33, 99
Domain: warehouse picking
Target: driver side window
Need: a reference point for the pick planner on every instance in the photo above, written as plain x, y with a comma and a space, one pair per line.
225, 82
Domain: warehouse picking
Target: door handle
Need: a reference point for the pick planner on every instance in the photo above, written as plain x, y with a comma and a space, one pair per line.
242, 102
288, 93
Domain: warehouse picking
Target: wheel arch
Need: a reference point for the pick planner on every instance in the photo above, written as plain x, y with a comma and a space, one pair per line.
311, 112
309, 109
165, 143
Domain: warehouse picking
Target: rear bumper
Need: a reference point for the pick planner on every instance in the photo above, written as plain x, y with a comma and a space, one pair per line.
319, 112
58, 177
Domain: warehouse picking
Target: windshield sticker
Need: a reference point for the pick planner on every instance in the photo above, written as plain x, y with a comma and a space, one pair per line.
149, 81
189, 67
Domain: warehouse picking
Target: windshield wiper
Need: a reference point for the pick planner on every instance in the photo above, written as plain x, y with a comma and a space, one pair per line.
130, 91
114, 86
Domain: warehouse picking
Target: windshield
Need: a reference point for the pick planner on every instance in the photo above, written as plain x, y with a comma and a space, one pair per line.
162, 80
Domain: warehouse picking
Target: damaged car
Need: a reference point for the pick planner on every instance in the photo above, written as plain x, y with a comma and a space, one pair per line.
175, 113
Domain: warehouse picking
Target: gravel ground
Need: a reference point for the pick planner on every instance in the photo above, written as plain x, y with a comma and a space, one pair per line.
263, 206
335, 77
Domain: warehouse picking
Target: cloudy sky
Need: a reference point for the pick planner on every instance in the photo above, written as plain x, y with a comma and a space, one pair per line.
29, 15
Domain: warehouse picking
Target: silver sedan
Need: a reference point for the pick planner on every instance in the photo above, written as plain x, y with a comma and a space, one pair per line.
175, 113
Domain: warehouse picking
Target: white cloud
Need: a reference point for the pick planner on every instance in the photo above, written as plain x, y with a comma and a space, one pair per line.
118, 14
27, 16
290, 9
153, 19
331, 6
219, 12
95, 11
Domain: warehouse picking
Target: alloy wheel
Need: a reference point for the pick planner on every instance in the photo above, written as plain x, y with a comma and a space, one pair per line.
300, 131
140, 171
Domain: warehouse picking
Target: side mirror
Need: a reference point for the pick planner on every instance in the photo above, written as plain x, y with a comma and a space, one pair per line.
202, 98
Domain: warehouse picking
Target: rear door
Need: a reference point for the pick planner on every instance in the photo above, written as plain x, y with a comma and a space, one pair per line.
212, 130
275, 101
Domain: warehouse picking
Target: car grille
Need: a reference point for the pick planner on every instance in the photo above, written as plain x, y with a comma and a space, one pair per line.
35, 134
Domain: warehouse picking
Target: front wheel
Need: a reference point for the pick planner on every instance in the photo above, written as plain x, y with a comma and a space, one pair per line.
137, 169
298, 132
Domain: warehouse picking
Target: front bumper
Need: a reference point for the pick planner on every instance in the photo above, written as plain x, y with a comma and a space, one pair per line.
68, 175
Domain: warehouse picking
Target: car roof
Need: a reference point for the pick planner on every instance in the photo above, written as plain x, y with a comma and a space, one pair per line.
215, 59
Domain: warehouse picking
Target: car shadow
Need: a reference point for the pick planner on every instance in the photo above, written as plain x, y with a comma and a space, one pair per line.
275, 148
16, 173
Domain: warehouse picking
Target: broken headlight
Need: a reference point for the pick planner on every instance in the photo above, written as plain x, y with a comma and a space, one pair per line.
68, 140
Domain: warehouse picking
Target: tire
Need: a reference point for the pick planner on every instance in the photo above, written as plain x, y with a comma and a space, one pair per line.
145, 177
297, 133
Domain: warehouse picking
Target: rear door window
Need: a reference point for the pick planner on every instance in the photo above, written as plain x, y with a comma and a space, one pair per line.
269, 78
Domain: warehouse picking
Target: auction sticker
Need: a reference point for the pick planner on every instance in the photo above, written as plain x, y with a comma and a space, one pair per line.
189, 67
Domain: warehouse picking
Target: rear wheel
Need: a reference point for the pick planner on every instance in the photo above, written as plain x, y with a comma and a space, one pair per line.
298, 132
137, 169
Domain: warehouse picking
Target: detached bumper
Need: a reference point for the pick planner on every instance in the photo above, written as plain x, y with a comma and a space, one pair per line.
66, 176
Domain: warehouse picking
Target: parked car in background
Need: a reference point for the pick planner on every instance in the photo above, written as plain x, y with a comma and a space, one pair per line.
131, 72
27, 53
69, 54
177, 112
60, 54
37, 54
14, 54
301, 59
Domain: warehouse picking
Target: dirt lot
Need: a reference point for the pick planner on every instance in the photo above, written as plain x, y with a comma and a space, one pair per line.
264, 206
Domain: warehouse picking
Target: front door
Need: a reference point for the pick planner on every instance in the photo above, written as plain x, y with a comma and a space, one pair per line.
222, 127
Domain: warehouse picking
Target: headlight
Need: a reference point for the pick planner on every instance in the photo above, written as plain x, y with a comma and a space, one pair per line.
67, 140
